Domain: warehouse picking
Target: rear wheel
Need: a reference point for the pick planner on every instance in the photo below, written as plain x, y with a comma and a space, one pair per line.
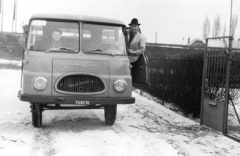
36, 109
110, 113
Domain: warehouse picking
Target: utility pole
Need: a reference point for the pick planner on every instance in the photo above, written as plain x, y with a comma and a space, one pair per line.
1, 7
14, 21
16, 13
156, 37
230, 28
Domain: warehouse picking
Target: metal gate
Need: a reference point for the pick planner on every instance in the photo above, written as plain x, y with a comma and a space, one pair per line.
219, 107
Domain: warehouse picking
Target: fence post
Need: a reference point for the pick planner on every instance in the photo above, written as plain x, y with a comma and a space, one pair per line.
203, 83
164, 84
225, 113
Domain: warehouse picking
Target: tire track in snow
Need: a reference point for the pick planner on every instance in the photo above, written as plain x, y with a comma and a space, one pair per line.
178, 131
43, 143
164, 123
62, 121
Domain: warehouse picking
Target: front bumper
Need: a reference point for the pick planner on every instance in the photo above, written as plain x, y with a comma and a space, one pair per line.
74, 100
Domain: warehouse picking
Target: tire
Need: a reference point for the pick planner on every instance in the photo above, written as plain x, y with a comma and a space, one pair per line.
36, 110
110, 113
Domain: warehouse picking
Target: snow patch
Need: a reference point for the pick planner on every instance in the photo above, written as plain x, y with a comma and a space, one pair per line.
11, 62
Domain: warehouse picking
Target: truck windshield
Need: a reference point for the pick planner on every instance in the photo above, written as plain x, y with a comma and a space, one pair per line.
45, 35
103, 39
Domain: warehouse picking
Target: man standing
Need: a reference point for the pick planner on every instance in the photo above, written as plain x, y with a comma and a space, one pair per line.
137, 41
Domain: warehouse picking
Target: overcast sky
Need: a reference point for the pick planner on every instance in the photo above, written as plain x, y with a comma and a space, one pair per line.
172, 20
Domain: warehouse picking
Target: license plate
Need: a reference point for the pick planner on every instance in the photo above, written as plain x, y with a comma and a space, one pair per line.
82, 102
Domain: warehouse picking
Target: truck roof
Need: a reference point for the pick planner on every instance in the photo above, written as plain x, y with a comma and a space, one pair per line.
77, 17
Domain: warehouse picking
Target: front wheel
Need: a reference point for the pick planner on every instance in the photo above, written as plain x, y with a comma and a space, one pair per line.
110, 113
36, 110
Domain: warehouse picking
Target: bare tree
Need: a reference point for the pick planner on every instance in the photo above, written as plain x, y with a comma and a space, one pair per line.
224, 30
206, 28
234, 23
216, 26
224, 33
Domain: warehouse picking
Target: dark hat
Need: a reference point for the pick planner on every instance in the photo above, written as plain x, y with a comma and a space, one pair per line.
134, 22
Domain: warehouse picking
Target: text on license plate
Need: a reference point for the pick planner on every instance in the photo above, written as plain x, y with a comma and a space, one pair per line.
82, 102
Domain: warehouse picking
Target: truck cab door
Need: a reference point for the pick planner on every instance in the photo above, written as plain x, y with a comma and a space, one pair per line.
140, 70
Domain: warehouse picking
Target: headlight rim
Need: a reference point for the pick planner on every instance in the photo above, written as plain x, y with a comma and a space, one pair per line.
38, 79
120, 81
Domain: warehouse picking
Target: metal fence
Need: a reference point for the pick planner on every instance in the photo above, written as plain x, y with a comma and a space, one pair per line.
176, 74
220, 89
233, 119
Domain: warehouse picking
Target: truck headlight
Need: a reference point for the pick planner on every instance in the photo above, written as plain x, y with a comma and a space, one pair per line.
120, 85
40, 83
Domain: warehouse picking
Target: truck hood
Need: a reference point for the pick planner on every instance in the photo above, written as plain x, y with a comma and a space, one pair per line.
92, 66
66, 67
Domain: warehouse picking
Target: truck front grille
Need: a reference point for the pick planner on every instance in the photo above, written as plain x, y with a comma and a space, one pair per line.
80, 84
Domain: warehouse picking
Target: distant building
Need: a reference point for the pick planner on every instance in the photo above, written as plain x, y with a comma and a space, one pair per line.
196, 43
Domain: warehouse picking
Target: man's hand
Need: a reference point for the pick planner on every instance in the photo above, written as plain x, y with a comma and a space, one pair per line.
132, 52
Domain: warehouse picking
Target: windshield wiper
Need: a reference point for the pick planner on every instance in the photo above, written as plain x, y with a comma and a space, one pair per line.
58, 49
101, 53
93, 50
49, 50
65, 48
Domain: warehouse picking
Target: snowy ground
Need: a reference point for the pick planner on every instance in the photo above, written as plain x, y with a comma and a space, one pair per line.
145, 128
